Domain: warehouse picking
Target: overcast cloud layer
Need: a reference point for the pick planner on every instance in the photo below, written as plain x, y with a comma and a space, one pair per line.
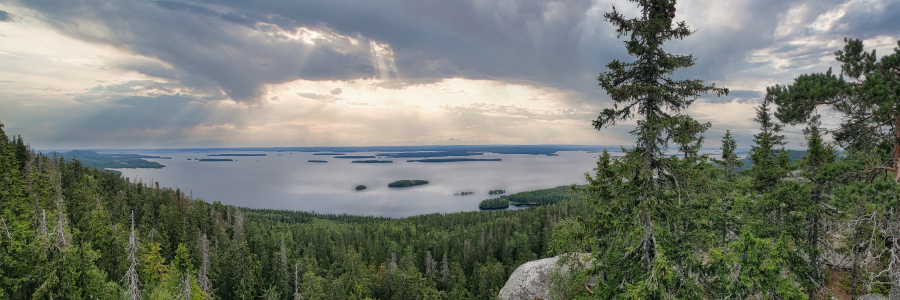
138, 73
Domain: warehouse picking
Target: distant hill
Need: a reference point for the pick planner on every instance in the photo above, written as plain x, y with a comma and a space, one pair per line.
795, 155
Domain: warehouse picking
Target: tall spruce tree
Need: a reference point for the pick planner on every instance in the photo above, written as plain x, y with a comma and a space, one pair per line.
644, 87
645, 243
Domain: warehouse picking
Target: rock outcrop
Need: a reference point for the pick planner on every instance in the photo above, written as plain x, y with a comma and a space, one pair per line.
872, 297
532, 280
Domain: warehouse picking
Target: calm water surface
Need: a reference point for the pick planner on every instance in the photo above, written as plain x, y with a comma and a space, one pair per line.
285, 180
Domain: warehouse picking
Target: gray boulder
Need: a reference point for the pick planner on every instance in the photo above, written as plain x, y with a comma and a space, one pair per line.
872, 297
531, 280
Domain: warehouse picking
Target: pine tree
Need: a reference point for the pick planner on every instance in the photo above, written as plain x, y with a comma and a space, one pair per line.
869, 100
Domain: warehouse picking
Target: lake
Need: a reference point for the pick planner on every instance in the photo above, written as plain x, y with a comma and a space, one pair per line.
285, 180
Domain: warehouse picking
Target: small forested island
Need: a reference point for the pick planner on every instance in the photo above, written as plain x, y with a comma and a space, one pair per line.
356, 156
329, 154
317, 161
237, 154
360, 187
372, 161
463, 193
496, 203
440, 160
496, 192
532, 198
406, 183
215, 159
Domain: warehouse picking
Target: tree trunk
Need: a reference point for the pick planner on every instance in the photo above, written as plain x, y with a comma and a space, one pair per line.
897, 150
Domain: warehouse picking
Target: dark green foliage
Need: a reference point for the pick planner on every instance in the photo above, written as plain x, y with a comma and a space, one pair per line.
360, 187
496, 203
251, 253
406, 183
496, 192
464, 193
215, 159
533, 198
317, 161
355, 156
730, 161
770, 160
645, 87
867, 101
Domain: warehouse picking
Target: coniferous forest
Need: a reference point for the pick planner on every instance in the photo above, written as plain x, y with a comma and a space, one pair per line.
74, 232
654, 225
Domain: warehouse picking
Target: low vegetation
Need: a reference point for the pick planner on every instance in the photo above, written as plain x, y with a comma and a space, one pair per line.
360, 187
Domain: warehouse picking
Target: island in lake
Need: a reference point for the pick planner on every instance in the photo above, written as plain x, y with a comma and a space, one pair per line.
359, 156
496, 192
463, 193
440, 160
372, 161
360, 187
406, 183
106, 161
532, 198
215, 159
430, 154
317, 161
236, 154
329, 154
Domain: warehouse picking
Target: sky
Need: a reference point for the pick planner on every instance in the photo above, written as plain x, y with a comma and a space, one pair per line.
101, 74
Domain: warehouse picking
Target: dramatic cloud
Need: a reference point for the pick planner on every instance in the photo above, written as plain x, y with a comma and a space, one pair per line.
230, 72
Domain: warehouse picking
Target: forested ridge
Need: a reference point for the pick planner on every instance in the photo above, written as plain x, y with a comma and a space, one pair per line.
66, 233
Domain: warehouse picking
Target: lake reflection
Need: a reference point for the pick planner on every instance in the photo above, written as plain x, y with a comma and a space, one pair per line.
285, 180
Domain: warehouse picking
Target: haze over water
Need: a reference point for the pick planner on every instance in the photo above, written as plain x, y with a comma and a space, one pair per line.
289, 182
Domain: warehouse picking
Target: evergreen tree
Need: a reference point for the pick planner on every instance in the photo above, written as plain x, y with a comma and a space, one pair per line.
645, 241
869, 100
767, 154
644, 87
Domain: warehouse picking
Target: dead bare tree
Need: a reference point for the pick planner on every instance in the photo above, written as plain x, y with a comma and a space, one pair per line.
5, 229
132, 291
203, 273
297, 295
61, 240
185, 287
429, 263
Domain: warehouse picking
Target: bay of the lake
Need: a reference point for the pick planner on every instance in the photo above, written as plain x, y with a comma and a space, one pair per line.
286, 180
